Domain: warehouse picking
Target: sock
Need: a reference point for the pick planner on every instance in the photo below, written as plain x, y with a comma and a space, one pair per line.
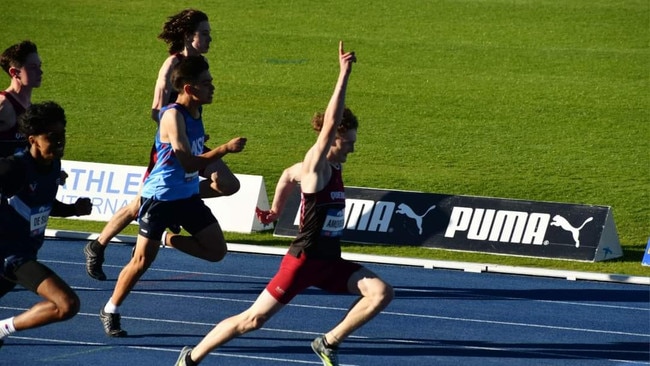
163, 239
189, 361
110, 307
326, 344
7, 327
97, 247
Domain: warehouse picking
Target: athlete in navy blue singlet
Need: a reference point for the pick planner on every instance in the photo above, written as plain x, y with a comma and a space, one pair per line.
29, 181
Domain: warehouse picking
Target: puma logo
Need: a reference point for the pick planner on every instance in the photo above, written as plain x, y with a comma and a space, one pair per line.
564, 224
404, 209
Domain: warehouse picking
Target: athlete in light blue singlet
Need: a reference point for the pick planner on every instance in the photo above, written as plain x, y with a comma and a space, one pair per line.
170, 194
168, 180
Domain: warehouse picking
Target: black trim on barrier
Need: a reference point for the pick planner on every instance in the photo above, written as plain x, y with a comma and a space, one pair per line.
470, 223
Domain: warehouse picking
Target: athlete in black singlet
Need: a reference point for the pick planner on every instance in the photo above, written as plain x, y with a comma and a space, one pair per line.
12, 141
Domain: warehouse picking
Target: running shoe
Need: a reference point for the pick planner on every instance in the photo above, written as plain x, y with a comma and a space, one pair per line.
175, 228
111, 324
181, 358
94, 261
328, 355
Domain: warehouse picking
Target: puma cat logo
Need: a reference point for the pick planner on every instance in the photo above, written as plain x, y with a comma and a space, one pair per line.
564, 224
404, 209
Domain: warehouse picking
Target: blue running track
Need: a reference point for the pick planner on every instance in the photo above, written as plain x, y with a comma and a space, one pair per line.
439, 317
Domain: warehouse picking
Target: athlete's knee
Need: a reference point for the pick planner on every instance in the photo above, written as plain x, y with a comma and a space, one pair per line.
140, 262
258, 322
68, 307
254, 322
217, 252
381, 294
233, 187
211, 243
388, 294
133, 208
132, 213
227, 186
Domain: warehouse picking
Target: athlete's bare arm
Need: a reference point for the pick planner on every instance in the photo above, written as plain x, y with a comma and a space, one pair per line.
315, 173
172, 130
162, 89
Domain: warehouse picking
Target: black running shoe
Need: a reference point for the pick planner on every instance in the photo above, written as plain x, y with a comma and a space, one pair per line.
175, 228
111, 323
94, 261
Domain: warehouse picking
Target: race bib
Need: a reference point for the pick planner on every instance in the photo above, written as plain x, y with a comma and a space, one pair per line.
36, 216
334, 223
191, 176
38, 220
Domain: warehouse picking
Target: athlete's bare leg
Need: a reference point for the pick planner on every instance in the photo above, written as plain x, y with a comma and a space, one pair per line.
208, 244
119, 221
375, 295
251, 319
61, 303
220, 181
94, 250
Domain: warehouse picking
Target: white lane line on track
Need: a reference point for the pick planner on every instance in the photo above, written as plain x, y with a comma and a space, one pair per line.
491, 297
234, 355
385, 313
396, 288
109, 346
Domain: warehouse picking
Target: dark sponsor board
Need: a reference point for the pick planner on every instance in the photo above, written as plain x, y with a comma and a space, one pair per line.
469, 223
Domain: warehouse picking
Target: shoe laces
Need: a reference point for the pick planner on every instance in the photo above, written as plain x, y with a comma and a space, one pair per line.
112, 320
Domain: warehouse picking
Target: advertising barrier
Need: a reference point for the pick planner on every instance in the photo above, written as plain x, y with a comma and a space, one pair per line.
470, 223
111, 187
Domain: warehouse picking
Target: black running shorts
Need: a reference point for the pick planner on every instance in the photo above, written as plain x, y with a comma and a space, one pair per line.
190, 213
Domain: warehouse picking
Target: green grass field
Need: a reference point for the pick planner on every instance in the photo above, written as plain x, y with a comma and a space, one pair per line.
528, 99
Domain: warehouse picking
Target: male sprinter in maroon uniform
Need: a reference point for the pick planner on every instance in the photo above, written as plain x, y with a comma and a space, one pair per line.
314, 258
23, 65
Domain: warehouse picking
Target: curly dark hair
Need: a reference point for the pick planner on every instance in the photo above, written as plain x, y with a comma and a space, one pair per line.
349, 121
16, 55
39, 118
180, 25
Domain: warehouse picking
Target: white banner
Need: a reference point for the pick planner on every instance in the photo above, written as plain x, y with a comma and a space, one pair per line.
111, 187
